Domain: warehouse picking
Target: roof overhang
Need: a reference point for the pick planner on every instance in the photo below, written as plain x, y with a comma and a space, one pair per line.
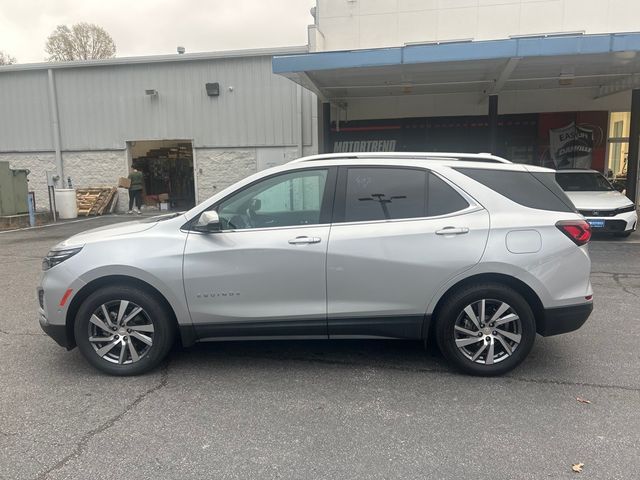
148, 59
607, 63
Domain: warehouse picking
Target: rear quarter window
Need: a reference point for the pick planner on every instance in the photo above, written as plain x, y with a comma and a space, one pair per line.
534, 190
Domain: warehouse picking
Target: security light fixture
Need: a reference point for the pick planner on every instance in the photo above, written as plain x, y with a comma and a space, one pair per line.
180, 50
213, 89
151, 92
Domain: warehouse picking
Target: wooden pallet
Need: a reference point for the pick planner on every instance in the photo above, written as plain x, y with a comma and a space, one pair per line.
95, 201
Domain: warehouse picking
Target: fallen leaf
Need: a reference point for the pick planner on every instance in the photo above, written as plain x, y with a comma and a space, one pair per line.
577, 467
583, 400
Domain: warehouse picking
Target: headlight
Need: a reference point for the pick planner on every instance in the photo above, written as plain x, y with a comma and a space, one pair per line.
54, 257
630, 208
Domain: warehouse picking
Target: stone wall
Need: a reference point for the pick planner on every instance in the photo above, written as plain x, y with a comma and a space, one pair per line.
38, 163
86, 169
218, 168
95, 169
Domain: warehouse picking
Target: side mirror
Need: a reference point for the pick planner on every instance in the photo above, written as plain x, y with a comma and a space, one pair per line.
209, 221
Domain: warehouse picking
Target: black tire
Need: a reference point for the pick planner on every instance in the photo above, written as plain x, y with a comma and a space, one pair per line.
153, 311
453, 310
623, 234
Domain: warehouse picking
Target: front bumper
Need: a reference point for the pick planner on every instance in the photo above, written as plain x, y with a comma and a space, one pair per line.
58, 332
623, 222
563, 319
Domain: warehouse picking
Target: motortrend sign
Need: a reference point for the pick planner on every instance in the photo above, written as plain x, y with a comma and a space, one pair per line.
571, 146
364, 146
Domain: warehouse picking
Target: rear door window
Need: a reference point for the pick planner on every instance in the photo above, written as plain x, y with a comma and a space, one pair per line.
372, 194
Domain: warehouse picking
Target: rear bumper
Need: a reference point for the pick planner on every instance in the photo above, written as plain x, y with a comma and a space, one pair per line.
563, 319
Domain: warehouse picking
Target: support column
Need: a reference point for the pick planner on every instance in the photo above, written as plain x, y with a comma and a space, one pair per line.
493, 123
634, 144
324, 125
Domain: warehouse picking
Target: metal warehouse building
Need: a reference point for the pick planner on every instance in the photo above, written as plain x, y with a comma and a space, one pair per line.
194, 123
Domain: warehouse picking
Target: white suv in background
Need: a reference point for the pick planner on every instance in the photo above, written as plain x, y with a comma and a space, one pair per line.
606, 209
473, 249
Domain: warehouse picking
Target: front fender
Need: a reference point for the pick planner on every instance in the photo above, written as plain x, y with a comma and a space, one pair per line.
170, 288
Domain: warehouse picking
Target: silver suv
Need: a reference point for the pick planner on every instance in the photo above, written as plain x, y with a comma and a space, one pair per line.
472, 249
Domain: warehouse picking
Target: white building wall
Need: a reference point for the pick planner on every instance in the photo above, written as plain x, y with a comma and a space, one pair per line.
356, 24
103, 105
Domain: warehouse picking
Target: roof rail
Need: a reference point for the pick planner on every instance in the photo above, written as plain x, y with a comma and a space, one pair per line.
468, 157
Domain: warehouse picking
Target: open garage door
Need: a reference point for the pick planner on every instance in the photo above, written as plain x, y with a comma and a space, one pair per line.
167, 167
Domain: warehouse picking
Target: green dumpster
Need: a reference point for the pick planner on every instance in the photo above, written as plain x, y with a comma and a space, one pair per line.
13, 190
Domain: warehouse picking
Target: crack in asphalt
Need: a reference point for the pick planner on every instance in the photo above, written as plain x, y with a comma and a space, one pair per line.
442, 371
624, 275
23, 334
83, 443
616, 278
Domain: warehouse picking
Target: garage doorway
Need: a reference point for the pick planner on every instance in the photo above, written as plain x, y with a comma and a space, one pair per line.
167, 166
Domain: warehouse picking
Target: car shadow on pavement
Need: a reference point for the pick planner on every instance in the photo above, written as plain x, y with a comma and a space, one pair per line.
391, 354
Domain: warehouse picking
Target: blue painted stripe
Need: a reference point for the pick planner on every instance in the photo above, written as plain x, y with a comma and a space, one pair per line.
459, 52
330, 60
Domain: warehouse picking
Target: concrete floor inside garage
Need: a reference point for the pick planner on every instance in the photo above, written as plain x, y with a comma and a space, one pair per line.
342, 409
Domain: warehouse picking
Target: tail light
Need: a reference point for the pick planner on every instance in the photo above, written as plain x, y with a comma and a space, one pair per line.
577, 230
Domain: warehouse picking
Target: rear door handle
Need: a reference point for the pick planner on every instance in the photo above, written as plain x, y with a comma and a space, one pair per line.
304, 240
452, 231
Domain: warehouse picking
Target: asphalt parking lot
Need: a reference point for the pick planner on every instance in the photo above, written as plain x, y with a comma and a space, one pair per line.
342, 409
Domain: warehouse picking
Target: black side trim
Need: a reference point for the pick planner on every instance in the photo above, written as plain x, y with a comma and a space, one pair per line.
187, 335
268, 328
406, 327
58, 333
563, 319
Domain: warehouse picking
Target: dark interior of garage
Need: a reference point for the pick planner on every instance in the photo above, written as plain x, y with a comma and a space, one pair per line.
167, 167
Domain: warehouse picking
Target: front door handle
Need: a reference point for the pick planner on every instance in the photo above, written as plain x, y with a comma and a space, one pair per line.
452, 231
304, 240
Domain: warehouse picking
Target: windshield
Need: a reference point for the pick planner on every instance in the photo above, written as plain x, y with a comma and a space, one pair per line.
583, 182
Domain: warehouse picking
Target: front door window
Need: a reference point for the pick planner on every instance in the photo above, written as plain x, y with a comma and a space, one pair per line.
282, 201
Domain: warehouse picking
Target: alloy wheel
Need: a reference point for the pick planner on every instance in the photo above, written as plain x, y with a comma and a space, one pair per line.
121, 332
487, 331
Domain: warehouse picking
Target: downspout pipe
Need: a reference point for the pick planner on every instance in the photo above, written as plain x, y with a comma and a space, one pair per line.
55, 127
300, 120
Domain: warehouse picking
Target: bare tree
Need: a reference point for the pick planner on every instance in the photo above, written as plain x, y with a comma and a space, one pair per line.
6, 59
83, 41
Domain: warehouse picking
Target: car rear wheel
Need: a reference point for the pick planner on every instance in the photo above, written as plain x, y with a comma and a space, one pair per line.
485, 329
123, 330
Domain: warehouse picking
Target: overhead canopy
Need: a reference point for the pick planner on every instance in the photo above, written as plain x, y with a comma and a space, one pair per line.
609, 62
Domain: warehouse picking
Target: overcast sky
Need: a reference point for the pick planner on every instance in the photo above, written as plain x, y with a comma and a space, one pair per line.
145, 27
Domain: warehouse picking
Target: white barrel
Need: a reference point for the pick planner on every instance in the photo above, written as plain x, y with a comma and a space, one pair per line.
66, 203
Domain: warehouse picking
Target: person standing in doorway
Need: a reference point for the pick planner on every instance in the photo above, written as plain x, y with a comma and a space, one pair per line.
135, 190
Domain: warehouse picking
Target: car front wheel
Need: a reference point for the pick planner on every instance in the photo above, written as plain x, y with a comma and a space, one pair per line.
485, 329
123, 330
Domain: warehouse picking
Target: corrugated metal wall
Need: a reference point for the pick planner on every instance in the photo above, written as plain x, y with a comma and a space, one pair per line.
104, 107
25, 122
